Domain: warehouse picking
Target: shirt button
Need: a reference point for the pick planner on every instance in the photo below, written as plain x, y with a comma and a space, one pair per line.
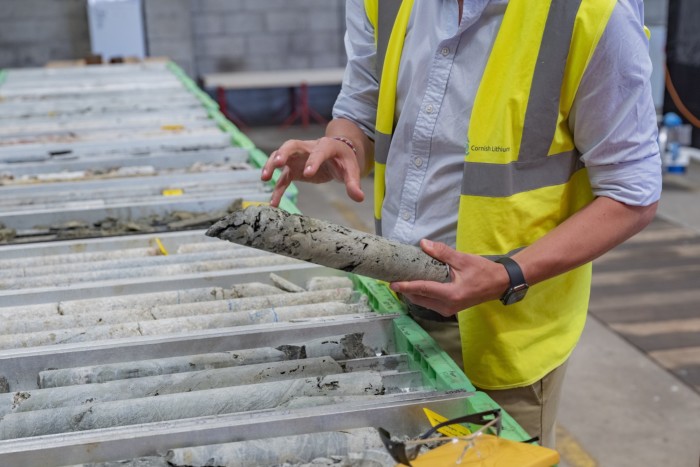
406, 215
418, 161
429, 108
445, 51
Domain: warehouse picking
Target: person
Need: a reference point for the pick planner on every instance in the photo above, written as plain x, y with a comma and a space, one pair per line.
514, 141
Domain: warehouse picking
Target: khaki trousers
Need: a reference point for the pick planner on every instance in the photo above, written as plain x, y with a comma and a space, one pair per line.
534, 407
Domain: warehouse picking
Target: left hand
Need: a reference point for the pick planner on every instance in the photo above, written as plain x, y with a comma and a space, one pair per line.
474, 280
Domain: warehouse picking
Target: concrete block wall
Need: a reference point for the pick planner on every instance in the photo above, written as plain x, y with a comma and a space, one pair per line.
267, 34
202, 36
169, 31
33, 32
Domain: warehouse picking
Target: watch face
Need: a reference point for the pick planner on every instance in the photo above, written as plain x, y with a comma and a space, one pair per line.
515, 294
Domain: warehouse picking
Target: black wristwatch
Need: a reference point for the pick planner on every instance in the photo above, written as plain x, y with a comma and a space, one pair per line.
518, 287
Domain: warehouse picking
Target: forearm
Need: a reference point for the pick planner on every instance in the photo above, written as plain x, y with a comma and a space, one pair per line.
363, 145
599, 227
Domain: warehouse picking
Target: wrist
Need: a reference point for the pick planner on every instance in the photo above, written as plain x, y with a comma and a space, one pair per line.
517, 286
347, 141
500, 281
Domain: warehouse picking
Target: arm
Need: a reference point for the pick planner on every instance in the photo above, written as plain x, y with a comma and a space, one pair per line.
620, 150
597, 228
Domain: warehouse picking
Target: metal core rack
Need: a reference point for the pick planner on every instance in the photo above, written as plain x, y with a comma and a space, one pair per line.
128, 334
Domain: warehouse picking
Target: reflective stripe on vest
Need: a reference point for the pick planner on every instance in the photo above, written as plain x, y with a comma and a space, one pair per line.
522, 178
539, 124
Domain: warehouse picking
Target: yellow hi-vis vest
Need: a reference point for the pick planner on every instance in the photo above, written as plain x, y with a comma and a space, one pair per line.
522, 174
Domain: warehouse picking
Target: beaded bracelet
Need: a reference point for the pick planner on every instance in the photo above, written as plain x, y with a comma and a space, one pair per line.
343, 139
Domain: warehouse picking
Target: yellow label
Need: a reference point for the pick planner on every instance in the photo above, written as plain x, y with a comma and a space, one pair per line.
450, 430
245, 204
173, 192
161, 248
172, 127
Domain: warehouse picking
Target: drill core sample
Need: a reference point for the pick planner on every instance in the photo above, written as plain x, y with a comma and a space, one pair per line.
327, 244
243, 398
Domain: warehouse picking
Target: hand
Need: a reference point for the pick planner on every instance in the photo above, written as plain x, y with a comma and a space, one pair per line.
315, 161
474, 280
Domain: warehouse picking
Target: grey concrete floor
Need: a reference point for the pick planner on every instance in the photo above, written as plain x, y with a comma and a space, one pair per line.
620, 407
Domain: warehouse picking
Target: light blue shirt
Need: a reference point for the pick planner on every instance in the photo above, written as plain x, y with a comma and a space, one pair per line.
613, 119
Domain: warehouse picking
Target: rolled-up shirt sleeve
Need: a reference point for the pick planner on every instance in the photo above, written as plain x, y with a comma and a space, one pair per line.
613, 119
357, 100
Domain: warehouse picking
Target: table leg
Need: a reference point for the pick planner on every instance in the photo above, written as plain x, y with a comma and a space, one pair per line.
301, 109
223, 107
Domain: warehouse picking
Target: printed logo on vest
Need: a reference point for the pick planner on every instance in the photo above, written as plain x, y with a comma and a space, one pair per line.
476, 148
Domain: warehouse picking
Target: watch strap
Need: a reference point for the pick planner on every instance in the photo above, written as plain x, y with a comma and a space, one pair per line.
513, 269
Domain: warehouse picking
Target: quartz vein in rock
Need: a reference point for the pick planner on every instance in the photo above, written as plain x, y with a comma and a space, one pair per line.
327, 244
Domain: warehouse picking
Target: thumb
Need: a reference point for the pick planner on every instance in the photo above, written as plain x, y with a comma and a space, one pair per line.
439, 251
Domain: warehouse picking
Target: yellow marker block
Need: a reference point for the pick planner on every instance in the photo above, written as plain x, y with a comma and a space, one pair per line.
173, 192
245, 204
172, 127
488, 451
452, 430
161, 247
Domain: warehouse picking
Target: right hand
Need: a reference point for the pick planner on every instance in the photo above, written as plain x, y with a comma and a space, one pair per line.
316, 161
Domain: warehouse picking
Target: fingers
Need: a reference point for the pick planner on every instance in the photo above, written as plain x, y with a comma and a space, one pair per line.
432, 304
432, 295
354, 191
315, 161
273, 162
443, 308
441, 252
281, 157
352, 183
268, 168
341, 162
325, 150
421, 288
280, 187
